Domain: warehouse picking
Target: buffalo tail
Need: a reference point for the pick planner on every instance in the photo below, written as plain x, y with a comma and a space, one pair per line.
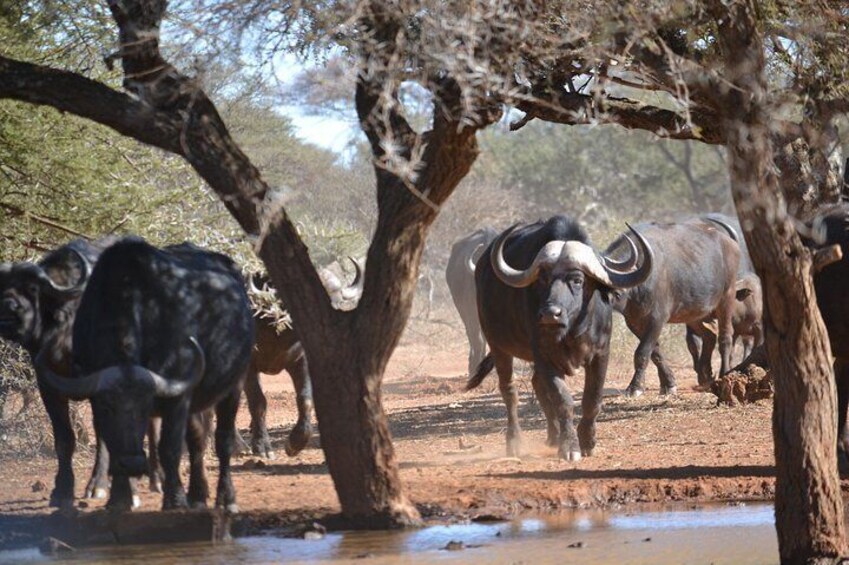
484, 368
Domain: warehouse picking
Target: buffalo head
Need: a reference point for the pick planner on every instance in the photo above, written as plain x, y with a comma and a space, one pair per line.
23, 288
122, 399
560, 270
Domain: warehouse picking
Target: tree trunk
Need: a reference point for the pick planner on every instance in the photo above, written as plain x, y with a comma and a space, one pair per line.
808, 505
356, 440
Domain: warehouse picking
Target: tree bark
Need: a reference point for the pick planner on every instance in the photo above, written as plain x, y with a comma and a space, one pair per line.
808, 505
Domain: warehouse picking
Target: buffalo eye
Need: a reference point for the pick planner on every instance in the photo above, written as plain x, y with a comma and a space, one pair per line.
576, 281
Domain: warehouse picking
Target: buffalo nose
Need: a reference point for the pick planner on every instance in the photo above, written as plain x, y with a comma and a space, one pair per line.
550, 314
132, 465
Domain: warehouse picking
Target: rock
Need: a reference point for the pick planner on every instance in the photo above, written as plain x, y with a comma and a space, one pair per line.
454, 546
577, 545
39, 486
82, 504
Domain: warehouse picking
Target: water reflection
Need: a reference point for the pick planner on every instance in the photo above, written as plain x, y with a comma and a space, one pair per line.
743, 534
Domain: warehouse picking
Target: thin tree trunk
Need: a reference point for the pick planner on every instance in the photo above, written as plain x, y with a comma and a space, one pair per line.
808, 505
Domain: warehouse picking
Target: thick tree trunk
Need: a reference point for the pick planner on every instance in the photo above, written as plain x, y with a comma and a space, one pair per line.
356, 440
808, 505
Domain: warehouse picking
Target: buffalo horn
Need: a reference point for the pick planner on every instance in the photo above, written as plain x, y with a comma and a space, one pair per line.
73, 289
618, 279
84, 387
471, 263
170, 388
515, 278
732, 233
355, 290
626, 264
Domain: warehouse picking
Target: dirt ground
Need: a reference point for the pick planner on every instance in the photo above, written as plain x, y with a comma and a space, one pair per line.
451, 447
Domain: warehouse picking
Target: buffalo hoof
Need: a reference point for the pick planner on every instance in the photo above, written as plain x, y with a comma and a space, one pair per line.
121, 505
514, 448
633, 392
296, 442
156, 486
668, 390
175, 502
98, 494
587, 452
63, 505
570, 455
231, 508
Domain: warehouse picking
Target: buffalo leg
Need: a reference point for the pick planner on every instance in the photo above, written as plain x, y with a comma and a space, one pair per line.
642, 354
559, 398
174, 423
596, 372
510, 395
704, 370
258, 407
301, 433
64, 442
694, 346
98, 484
154, 471
553, 426
841, 375
667, 377
196, 435
726, 331
225, 436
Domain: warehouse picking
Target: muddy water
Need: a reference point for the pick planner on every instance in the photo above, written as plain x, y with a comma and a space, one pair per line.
737, 534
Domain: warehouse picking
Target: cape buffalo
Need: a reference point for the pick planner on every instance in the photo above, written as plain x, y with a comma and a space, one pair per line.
693, 277
831, 227
543, 296
38, 302
747, 314
746, 321
278, 349
162, 333
460, 276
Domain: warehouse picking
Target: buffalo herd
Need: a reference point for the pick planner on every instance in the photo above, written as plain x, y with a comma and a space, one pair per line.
160, 340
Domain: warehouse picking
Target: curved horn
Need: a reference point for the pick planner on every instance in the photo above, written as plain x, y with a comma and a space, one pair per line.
471, 263
166, 388
617, 279
73, 289
355, 289
732, 233
80, 388
626, 264
515, 278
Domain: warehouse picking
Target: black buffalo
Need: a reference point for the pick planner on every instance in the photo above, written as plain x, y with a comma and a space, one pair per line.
163, 333
693, 278
460, 276
279, 348
831, 227
543, 296
38, 302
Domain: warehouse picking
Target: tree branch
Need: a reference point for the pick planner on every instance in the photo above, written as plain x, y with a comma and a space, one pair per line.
573, 109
